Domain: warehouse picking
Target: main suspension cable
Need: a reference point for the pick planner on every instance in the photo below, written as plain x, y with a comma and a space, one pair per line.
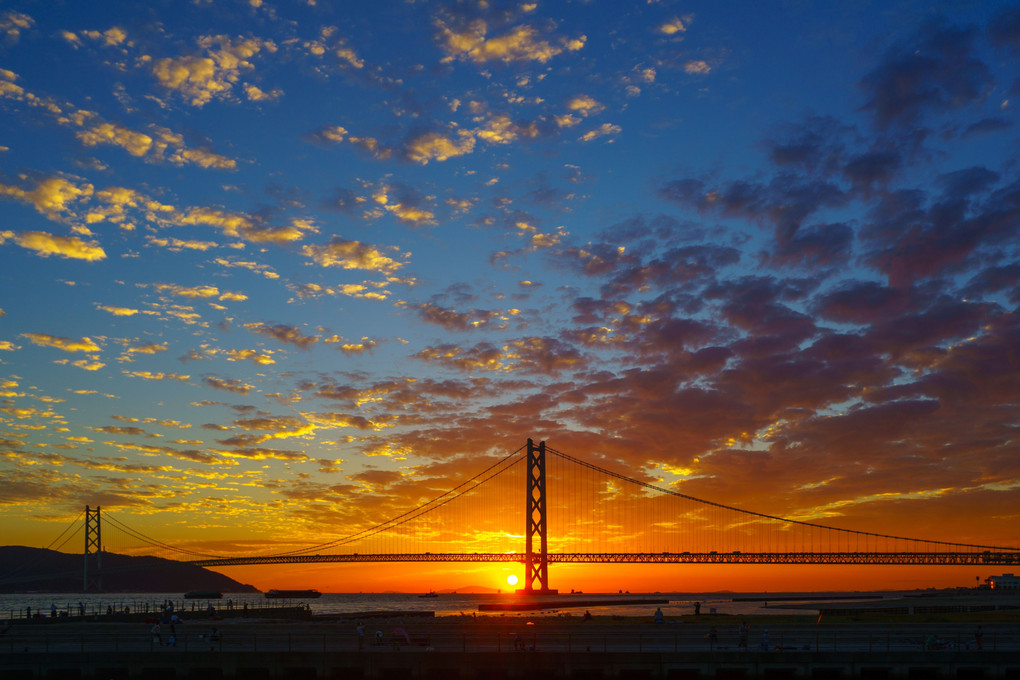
647, 485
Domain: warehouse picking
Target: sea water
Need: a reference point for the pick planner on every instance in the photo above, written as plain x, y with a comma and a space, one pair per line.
15, 605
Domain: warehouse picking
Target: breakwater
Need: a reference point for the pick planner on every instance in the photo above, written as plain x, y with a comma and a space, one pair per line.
141, 615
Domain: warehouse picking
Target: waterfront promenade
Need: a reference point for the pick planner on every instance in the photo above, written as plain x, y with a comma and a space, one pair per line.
512, 646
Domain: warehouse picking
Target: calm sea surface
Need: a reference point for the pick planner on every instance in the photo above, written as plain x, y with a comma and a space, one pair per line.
444, 604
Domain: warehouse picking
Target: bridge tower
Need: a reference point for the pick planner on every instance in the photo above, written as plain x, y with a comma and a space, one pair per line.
93, 552
536, 565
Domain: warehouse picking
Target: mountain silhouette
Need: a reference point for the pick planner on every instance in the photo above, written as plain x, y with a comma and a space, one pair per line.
24, 569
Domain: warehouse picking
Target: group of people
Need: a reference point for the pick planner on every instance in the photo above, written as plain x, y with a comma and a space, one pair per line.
54, 612
157, 637
659, 616
933, 641
379, 637
171, 641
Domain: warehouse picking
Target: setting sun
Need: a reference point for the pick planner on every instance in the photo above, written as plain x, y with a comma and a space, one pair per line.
511, 579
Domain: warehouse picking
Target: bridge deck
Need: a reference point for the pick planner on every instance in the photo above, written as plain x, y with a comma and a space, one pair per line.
849, 558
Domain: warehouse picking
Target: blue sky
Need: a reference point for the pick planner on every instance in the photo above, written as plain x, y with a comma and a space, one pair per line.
303, 256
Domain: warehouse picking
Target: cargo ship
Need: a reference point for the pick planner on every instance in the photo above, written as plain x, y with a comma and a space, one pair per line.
275, 594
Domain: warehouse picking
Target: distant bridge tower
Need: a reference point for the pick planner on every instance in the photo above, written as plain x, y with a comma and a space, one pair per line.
93, 552
536, 565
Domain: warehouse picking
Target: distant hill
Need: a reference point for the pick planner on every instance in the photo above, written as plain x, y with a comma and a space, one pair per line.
25, 569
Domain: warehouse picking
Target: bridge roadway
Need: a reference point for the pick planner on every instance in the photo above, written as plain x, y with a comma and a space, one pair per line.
989, 558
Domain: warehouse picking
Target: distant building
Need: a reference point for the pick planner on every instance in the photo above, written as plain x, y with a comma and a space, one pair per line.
1004, 582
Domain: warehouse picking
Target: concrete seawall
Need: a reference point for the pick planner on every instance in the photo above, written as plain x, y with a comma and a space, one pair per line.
510, 665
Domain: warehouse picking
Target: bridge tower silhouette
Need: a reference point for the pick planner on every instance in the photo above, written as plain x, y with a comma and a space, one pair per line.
536, 564
93, 582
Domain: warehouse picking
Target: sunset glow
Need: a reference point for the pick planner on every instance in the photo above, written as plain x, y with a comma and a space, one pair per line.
274, 273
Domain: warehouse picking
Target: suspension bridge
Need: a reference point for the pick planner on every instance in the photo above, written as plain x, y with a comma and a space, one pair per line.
578, 512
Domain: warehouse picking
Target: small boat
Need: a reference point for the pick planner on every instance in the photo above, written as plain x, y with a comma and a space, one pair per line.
431, 593
275, 594
203, 595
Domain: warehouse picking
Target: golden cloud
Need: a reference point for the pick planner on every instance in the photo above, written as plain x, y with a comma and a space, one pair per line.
8, 89
673, 26
521, 43
283, 333
646, 74
372, 146
13, 23
112, 37
249, 355
482, 357
202, 158
277, 427
351, 255
204, 78
349, 348
135, 143
232, 224
238, 225
228, 385
177, 245
117, 200
88, 364
51, 196
585, 105
602, 131
436, 146
117, 311
543, 240
257, 94
332, 134
46, 244
407, 210
348, 55
149, 375
65, 344
698, 67
263, 454
295, 231
500, 129
187, 291
263, 269
148, 348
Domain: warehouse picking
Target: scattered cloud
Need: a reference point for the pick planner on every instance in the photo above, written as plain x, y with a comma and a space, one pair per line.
474, 42
45, 244
213, 72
